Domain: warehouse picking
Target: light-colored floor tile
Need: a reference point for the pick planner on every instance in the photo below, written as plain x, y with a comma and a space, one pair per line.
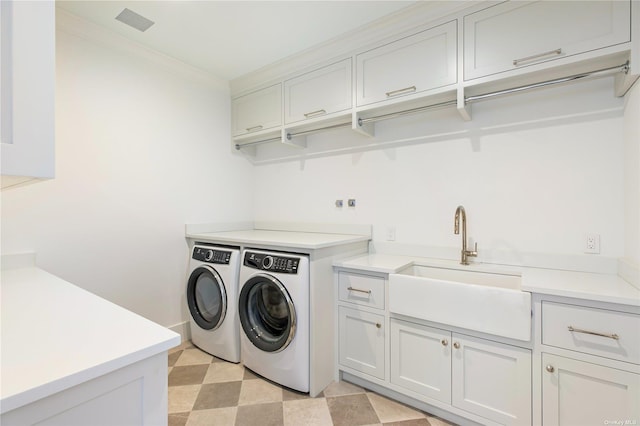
342, 388
437, 421
390, 411
193, 356
308, 412
224, 372
215, 417
259, 392
181, 398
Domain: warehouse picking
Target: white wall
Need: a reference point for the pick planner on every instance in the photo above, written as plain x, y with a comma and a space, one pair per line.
142, 147
535, 172
632, 175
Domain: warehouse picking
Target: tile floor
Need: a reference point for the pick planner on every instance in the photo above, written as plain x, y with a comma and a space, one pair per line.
204, 390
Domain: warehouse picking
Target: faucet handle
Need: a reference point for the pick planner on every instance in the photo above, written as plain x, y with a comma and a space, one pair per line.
473, 253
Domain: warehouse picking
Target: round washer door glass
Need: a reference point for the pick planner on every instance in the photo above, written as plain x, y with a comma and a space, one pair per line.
267, 313
206, 297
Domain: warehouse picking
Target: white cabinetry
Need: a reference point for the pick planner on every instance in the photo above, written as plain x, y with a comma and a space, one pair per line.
414, 64
483, 377
589, 364
582, 393
361, 344
27, 87
318, 93
257, 111
361, 323
512, 35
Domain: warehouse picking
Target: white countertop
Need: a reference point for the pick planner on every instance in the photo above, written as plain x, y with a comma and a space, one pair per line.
283, 239
582, 285
56, 335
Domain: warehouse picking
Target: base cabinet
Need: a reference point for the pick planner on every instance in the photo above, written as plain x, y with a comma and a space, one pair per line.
581, 393
361, 345
486, 378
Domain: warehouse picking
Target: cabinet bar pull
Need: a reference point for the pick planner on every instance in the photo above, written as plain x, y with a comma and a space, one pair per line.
254, 128
594, 333
401, 91
357, 289
314, 113
517, 62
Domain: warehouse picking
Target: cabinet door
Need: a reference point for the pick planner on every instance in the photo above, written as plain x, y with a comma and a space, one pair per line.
361, 341
257, 111
581, 393
512, 35
492, 380
423, 61
27, 61
318, 93
421, 359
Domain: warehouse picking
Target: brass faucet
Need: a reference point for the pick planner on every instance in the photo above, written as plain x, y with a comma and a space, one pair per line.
464, 253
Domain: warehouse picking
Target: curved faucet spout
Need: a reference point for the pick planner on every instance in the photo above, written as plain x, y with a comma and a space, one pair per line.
461, 216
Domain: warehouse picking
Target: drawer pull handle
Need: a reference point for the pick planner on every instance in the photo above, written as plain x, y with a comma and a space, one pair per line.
550, 368
517, 62
357, 289
594, 333
401, 91
254, 128
314, 113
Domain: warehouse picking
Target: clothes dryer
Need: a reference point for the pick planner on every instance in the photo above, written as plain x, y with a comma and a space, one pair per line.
212, 292
274, 315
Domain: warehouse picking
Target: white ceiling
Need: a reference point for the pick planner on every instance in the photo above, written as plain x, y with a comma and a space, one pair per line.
231, 38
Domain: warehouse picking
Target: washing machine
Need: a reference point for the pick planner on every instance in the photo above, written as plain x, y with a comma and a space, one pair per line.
212, 293
273, 307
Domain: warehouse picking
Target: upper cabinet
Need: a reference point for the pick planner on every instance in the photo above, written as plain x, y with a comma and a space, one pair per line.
414, 64
318, 93
27, 87
513, 35
257, 111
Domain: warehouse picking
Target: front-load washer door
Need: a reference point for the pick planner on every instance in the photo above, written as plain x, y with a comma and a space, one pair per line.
206, 297
267, 314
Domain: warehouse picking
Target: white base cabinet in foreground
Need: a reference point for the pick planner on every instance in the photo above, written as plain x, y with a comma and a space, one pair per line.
480, 376
582, 393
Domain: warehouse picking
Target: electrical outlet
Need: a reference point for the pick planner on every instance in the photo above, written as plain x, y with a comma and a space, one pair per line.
592, 243
391, 233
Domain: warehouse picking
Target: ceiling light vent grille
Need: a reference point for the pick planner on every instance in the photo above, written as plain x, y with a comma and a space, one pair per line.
134, 20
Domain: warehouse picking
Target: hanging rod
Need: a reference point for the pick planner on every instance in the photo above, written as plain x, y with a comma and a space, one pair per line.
362, 121
308, 132
238, 146
598, 73
470, 99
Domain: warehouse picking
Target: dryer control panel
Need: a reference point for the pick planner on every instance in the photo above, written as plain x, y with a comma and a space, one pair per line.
271, 262
211, 255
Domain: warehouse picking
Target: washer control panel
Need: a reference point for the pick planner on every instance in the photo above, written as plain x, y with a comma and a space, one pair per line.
271, 262
211, 255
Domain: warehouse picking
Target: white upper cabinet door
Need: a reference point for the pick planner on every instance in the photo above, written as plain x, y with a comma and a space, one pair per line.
421, 359
492, 380
27, 89
423, 61
256, 111
513, 35
318, 93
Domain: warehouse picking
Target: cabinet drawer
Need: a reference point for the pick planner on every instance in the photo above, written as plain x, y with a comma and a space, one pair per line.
600, 332
517, 34
423, 61
257, 111
318, 93
364, 290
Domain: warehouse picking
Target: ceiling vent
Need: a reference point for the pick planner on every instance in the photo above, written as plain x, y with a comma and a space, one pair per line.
134, 20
